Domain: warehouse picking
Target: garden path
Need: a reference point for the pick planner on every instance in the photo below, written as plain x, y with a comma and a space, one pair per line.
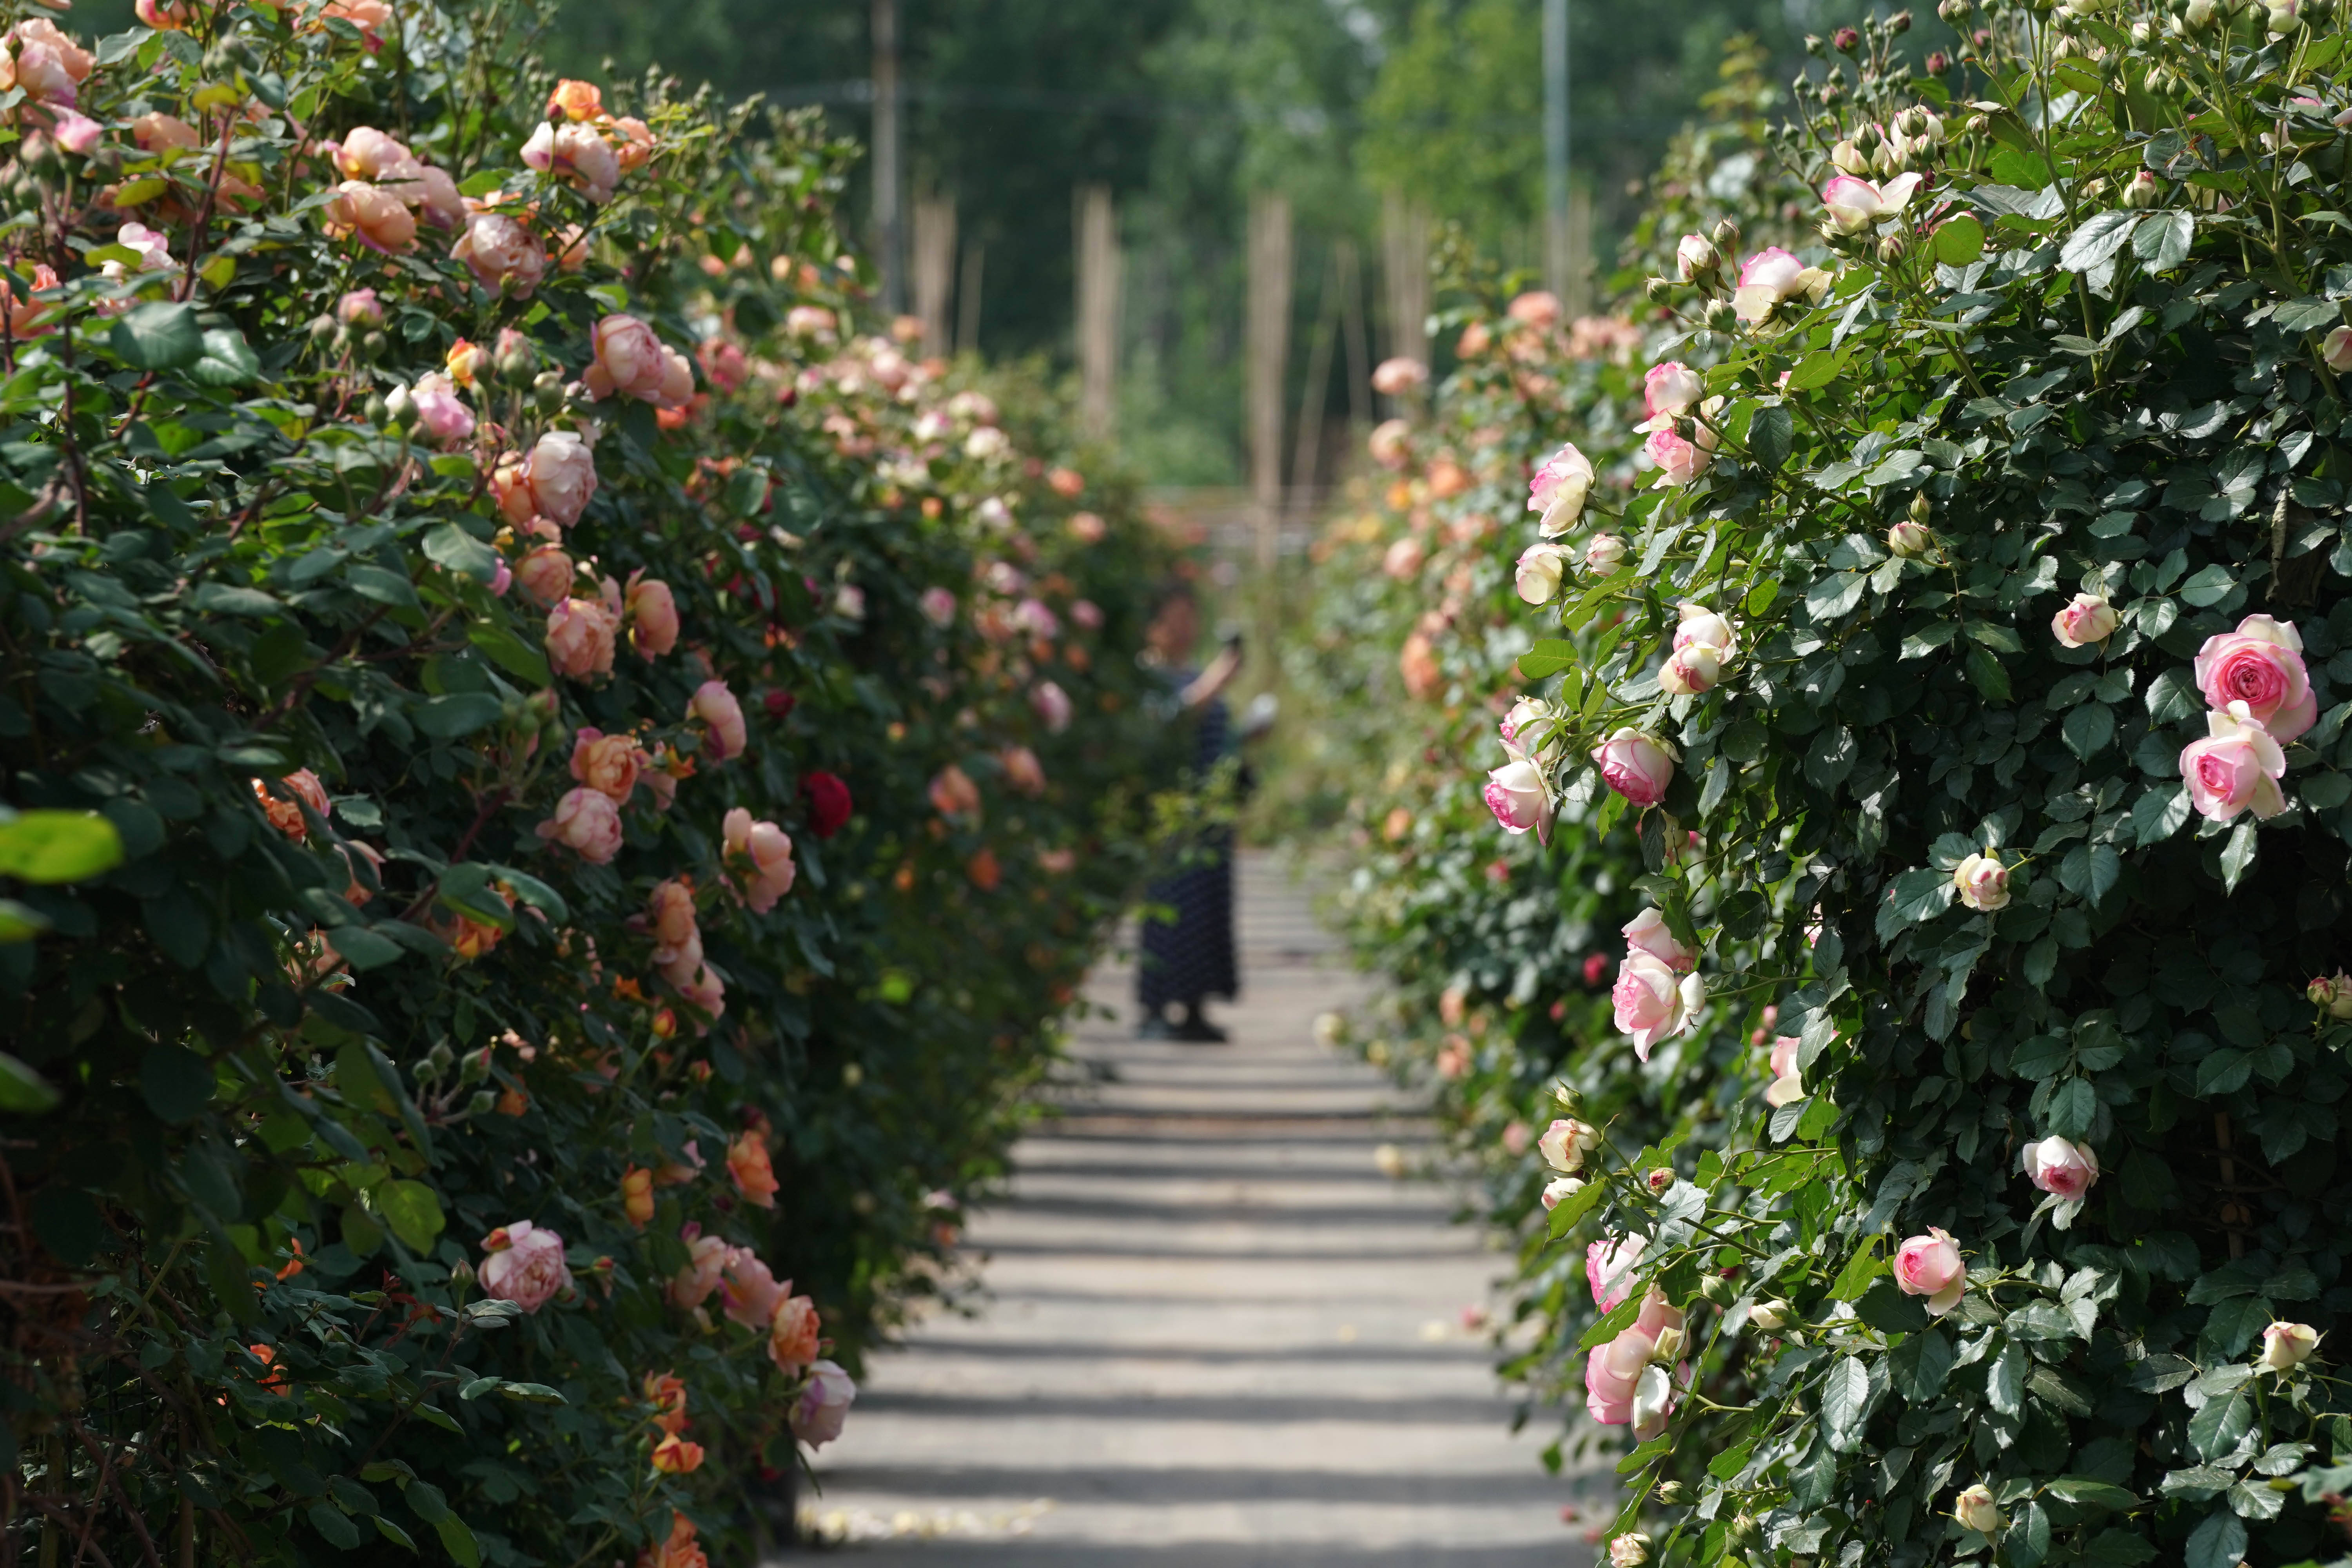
1215, 1335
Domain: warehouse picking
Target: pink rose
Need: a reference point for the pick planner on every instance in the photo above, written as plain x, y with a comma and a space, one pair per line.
1609, 1270
2062, 1169
707, 991
2260, 665
722, 719
576, 154
367, 154
580, 634
2336, 350
1052, 705
748, 1292
793, 1341
587, 822
1636, 765
818, 1415
525, 1265
546, 574
1023, 772
360, 308
1770, 277
1558, 490
1516, 794
705, 1263
653, 616
769, 849
1678, 461
373, 214
555, 481
1931, 1265
1668, 392
2236, 766
1982, 882
605, 764
1622, 1384
1787, 1085
1087, 614
1652, 1002
1395, 377
1563, 1145
938, 606
501, 254
629, 361
501, 578
1391, 443
441, 415
1648, 932
1855, 204
2087, 618
1536, 577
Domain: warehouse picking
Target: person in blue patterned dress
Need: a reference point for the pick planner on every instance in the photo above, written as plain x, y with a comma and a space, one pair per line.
1187, 960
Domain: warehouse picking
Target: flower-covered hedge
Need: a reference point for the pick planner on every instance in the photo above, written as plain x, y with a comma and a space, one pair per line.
563, 792
1969, 663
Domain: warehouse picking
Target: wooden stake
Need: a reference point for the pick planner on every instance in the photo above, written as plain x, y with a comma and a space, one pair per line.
1269, 357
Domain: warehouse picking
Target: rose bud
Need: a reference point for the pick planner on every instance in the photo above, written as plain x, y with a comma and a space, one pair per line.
1983, 883
2288, 1345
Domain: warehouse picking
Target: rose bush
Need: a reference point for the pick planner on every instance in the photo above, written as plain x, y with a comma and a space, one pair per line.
477, 622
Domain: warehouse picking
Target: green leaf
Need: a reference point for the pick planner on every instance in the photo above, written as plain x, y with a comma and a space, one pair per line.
23, 1090
457, 1540
2159, 813
163, 336
2005, 1384
2218, 1542
393, 1533
1920, 1364
458, 714
2238, 855
2173, 696
2210, 586
1958, 240
452, 547
58, 847
1575, 1207
1546, 658
2216, 1428
1988, 677
534, 892
2097, 240
532, 1392
364, 949
1770, 436
2161, 242
334, 1524
226, 360
1845, 1403
2088, 729
175, 1082
412, 1212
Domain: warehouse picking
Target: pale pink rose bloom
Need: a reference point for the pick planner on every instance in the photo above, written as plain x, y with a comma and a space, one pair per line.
580, 635
360, 308
2087, 618
1517, 796
724, 363
525, 1265
938, 606
629, 360
1051, 706
1931, 1265
2260, 665
1636, 765
1855, 204
1690, 671
159, 132
1565, 1143
1517, 1136
1395, 377
653, 616
45, 62
1559, 491
2286, 1346
1620, 1384
546, 574
501, 254
154, 250
722, 718
705, 1263
818, 1415
1087, 614
2235, 767
1648, 932
366, 154
770, 849
1558, 1190
1518, 725
2061, 1168
1538, 575
1035, 618
1609, 1270
441, 415
577, 154
557, 480
1771, 277
1088, 527
1678, 461
1391, 443
1604, 552
373, 214
1699, 626
2336, 350
749, 1293
812, 322
586, 822
1650, 1003
1787, 1085
707, 991
1402, 559
1982, 882
1668, 392
1695, 255
605, 764
435, 196
501, 578
74, 132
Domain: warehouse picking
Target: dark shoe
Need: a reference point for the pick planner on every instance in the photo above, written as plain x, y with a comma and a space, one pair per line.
1195, 1029
1154, 1026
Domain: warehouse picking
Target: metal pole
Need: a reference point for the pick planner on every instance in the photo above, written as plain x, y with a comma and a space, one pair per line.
886, 152
1557, 262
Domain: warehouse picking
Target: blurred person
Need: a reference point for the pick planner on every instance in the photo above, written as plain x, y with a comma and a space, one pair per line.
1187, 960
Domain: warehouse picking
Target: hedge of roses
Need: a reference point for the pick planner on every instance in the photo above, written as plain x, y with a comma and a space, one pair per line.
563, 794
1967, 664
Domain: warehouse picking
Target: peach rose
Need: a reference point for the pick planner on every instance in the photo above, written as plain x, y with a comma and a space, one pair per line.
29, 317
159, 132
605, 764
769, 849
952, 793
678, 939
1931, 1265
587, 822
525, 1265
366, 154
2260, 665
556, 482
674, 1455
278, 800
653, 616
572, 100
576, 154
379, 219
706, 1261
666, 1392
707, 991
722, 718
501, 254
747, 1292
793, 1341
629, 360
1023, 772
580, 634
638, 1195
546, 574
747, 1164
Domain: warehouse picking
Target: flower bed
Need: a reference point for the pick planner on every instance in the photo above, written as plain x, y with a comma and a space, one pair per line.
609, 779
